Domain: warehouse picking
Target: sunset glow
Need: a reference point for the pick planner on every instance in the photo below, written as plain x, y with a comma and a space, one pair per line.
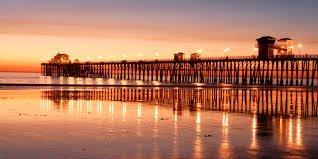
158, 79
39, 29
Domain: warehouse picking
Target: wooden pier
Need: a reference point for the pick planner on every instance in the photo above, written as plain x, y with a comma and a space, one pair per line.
245, 70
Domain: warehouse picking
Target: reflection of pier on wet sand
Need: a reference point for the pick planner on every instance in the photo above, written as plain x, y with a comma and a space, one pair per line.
272, 102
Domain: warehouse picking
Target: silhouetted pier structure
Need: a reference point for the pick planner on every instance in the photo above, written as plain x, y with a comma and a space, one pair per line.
295, 70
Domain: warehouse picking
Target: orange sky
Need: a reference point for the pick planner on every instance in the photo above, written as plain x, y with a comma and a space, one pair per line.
24, 52
31, 30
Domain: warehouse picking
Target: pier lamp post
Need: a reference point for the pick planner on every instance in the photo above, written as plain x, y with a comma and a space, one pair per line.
255, 50
299, 48
157, 55
227, 51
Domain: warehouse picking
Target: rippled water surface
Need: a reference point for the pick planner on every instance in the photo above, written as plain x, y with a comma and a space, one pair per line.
158, 123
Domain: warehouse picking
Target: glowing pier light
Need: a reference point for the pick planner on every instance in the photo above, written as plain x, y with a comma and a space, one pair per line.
255, 51
299, 48
157, 54
300, 45
227, 51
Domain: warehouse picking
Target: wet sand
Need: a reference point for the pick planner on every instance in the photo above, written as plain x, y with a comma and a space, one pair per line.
33, 126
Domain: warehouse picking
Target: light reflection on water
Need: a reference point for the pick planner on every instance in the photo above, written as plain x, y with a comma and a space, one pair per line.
254, 145
269, 102
225, 147
158, 123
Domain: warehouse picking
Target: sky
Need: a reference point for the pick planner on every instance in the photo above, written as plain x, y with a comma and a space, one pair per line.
32, 31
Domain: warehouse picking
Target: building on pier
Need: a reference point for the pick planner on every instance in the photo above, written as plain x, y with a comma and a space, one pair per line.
76, 61
60, 59
285, 47
195, 56
179, 56
268, 47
